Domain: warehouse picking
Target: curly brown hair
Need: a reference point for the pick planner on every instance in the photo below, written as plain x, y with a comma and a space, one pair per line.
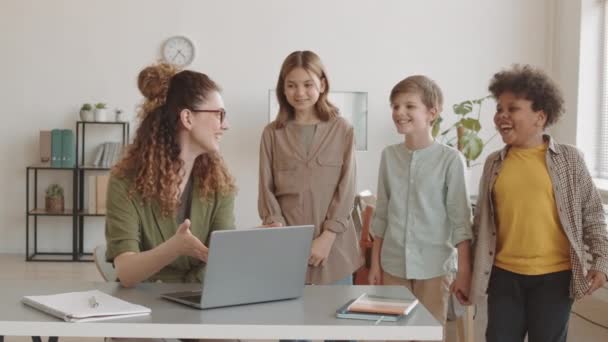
532, 84
310, 62
152, 161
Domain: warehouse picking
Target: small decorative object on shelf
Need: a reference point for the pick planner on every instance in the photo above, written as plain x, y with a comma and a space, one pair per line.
53, 201
86, 112
101, 115
121, 116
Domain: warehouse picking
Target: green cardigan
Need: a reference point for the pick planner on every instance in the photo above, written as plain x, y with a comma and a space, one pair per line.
135, 226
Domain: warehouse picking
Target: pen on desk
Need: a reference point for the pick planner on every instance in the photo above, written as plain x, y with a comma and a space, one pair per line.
93, 302
379, 320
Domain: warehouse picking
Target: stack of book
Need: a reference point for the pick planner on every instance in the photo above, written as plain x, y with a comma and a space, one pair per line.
108, 154
377, 308
98, 188
57, 148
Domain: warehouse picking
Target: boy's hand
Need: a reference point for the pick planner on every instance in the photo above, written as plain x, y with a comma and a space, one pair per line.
595, 279
374, 277
461, 286
321, 246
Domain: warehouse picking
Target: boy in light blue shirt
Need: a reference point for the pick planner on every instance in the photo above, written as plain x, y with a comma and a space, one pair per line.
423, 212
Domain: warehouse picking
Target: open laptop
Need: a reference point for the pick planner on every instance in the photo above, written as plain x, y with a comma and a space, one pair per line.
251, 266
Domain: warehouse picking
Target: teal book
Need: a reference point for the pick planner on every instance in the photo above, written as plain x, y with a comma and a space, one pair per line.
68, 148
56, 146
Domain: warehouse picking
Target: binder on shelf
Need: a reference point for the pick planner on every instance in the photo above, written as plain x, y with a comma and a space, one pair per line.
56, 145
92, 195
85, 306
67, 148
45, 147
101, 189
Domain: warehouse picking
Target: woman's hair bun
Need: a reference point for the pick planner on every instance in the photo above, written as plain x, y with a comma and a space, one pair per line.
153, 81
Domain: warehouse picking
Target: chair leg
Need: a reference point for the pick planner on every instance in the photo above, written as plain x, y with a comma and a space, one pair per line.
460, 329
53, 338
36, 339
470, 329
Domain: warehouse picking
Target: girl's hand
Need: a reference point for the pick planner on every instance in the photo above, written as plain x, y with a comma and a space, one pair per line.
374, 277
596, 279
187, 244
461, 286
321, 246
271, 225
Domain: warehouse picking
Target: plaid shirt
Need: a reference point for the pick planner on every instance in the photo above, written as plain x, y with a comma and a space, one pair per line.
579, 208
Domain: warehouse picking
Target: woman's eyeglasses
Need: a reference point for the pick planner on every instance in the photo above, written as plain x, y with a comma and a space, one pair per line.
221, 112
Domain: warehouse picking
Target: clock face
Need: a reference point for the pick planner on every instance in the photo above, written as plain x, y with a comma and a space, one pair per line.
178, 50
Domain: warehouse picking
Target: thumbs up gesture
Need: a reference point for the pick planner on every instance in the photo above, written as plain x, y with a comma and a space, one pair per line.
187, 244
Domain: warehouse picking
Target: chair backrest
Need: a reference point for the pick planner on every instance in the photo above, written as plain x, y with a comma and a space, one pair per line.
105, 268
363, 211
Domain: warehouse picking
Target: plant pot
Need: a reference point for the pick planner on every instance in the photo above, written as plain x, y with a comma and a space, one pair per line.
53, 204
87, 115
122, 117
101, 115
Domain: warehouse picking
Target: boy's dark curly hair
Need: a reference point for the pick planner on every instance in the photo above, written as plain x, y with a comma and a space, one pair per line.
531, 84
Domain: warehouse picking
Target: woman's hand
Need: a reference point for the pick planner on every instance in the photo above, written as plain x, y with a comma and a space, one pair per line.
596, 279
321, 246
184, 243
461, 286
374, 277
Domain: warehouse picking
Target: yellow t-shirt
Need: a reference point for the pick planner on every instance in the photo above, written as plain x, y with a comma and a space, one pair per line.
531, 240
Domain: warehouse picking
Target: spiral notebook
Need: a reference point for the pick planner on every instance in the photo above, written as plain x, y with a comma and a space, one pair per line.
85, 306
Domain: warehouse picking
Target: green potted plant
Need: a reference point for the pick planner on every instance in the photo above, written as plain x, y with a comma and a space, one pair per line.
466, 128
53, 200
100, 112
86, 112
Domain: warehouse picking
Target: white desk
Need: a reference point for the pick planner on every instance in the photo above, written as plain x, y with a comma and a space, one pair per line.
310, 317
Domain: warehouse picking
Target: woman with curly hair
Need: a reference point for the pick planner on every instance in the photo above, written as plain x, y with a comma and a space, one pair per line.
537, 209
172, 189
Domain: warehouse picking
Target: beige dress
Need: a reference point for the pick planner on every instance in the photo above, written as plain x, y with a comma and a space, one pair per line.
317, 187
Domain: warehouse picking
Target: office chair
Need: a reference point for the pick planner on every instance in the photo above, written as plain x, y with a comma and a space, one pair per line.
106, 269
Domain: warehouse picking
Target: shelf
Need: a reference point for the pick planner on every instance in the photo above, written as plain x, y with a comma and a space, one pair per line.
77, 212
102, 122
44, 212
85, 212
93, 168
48, 167
51, 257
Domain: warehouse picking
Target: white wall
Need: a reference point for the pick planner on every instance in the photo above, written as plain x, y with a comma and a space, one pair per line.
59, 54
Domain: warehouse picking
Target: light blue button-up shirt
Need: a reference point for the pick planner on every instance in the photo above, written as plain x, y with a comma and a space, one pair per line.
423, 210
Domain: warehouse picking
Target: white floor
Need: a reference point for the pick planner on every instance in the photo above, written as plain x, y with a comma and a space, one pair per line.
583, 322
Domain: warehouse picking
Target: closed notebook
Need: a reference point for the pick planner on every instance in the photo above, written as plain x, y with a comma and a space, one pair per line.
344, 313
367, 303
85, 306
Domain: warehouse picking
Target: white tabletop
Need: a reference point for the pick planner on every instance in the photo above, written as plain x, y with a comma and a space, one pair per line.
310, 317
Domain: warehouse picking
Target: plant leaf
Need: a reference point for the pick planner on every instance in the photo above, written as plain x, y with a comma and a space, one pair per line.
470, 123
463, 108
437, 126
472, 146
